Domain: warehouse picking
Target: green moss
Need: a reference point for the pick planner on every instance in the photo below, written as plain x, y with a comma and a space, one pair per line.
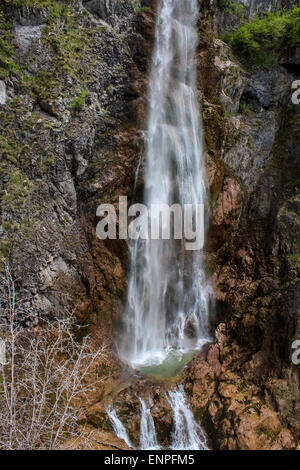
7, 64
16, 190
14, 196
263, 41
43, 83
294, 259
30, 3
245, 107
73, 55
11, 150
139, 9
55, 8
70, 46
5, 246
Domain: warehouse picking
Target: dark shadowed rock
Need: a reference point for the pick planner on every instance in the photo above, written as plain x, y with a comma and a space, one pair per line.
29, 16
269, 88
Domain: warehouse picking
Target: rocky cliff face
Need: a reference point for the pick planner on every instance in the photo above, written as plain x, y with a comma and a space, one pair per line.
73, 83
249, 394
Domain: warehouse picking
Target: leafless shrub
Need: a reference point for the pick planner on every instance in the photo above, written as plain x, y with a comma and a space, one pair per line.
45, 378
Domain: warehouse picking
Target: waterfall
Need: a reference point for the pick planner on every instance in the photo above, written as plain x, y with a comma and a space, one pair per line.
168, 294
148, 439
117, 425
187, 434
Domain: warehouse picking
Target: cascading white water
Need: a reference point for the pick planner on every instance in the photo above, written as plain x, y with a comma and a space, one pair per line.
187, 434
168, 295
148, 439
118, 426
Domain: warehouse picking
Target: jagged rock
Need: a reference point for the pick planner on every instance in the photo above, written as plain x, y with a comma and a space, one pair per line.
292, 61
105, 9
2, 92
232, 85
252, 145
28, 16
268, 89
26, 35
112, 12
228, 204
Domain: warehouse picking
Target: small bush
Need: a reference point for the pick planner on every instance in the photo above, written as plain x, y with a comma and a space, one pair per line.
78, 103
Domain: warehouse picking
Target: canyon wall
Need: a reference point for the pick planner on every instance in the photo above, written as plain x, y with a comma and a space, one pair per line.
73, 99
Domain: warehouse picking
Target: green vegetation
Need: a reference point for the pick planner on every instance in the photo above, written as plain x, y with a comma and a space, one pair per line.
10, 149
245, 107
78, 103
72, 54
238, 9
16, 191
7, 65
263, 41
294, 259
139, 9
14, 196
40, 4
234, 7
222, 4
55, 7
71, 46
30, 3
42, 83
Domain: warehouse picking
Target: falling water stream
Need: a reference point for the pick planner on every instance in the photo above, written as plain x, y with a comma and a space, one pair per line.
166, 318
168, 295
148, 438
118, 426
186, 435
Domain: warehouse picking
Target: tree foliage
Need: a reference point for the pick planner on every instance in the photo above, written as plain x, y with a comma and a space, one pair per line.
263, 41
